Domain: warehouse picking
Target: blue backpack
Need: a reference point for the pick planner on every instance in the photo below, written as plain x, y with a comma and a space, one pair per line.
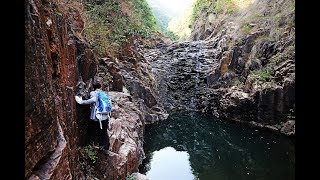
104, 106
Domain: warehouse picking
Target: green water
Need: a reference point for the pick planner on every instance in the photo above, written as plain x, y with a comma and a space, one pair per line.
190, 146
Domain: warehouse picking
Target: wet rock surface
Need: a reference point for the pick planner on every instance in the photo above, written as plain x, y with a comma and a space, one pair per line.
235, 75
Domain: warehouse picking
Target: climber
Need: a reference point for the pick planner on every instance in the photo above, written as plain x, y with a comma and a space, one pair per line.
97, 128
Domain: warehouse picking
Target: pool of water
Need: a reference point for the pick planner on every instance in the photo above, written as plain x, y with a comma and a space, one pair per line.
191, 146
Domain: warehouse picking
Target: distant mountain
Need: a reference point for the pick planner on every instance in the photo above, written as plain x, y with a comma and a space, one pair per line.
165, 10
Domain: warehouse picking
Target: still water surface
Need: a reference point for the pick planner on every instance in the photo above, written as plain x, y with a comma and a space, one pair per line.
191, 146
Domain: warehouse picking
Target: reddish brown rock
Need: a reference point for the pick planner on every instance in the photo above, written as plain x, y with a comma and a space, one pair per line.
126, 139
58, 62
51, 72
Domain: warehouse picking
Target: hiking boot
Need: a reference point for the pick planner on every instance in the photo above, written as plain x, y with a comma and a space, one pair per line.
104, 150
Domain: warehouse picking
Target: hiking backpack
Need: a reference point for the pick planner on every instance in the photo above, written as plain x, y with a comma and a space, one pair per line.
104, 106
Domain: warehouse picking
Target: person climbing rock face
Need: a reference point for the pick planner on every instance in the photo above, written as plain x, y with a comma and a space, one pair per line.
99, 122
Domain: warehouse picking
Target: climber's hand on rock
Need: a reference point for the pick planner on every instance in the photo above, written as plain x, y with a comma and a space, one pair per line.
78, 99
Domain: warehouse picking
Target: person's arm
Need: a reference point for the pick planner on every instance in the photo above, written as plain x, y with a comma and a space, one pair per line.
88, 101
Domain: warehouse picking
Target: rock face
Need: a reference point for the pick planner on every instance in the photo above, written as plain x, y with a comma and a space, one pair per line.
181, 71
55, 56
126, 139
238, 70
140, 82
59, 64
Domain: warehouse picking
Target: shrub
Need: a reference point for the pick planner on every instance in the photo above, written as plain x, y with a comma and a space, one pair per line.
263, 74
90, 153
108, 24
246, 28
130, 177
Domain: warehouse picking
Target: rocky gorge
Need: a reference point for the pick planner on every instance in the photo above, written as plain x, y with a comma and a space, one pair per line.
232, 68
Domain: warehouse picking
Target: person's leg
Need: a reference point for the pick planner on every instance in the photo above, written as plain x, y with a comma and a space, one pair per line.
103, 135
91, 132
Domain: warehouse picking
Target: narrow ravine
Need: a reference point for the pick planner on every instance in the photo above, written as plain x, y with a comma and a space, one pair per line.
235, 72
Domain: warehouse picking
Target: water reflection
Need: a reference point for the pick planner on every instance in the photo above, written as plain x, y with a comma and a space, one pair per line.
167, 163
216, 150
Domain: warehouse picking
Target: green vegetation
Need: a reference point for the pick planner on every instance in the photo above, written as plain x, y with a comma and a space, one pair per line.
263, 74
226, 6
171, 23
108, 25
170, 34
197, 7
162, 20
180, 25
288, 53
245, 28
89, 153
142, 12
218, 6
291, 23
130, 177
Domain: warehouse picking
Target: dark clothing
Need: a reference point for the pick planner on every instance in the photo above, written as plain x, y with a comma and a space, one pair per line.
101, 135
94, 131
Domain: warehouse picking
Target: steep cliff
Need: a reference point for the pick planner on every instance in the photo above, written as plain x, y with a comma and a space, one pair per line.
257, 44
59, 64
239, 64
55, 56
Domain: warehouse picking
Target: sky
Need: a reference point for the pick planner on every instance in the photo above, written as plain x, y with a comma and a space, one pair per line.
170, 164
174, 6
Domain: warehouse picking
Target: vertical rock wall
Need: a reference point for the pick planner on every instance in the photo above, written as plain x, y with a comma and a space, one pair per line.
55, 57
58, 65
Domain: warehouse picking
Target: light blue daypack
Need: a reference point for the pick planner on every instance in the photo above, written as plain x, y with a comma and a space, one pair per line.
104, 106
